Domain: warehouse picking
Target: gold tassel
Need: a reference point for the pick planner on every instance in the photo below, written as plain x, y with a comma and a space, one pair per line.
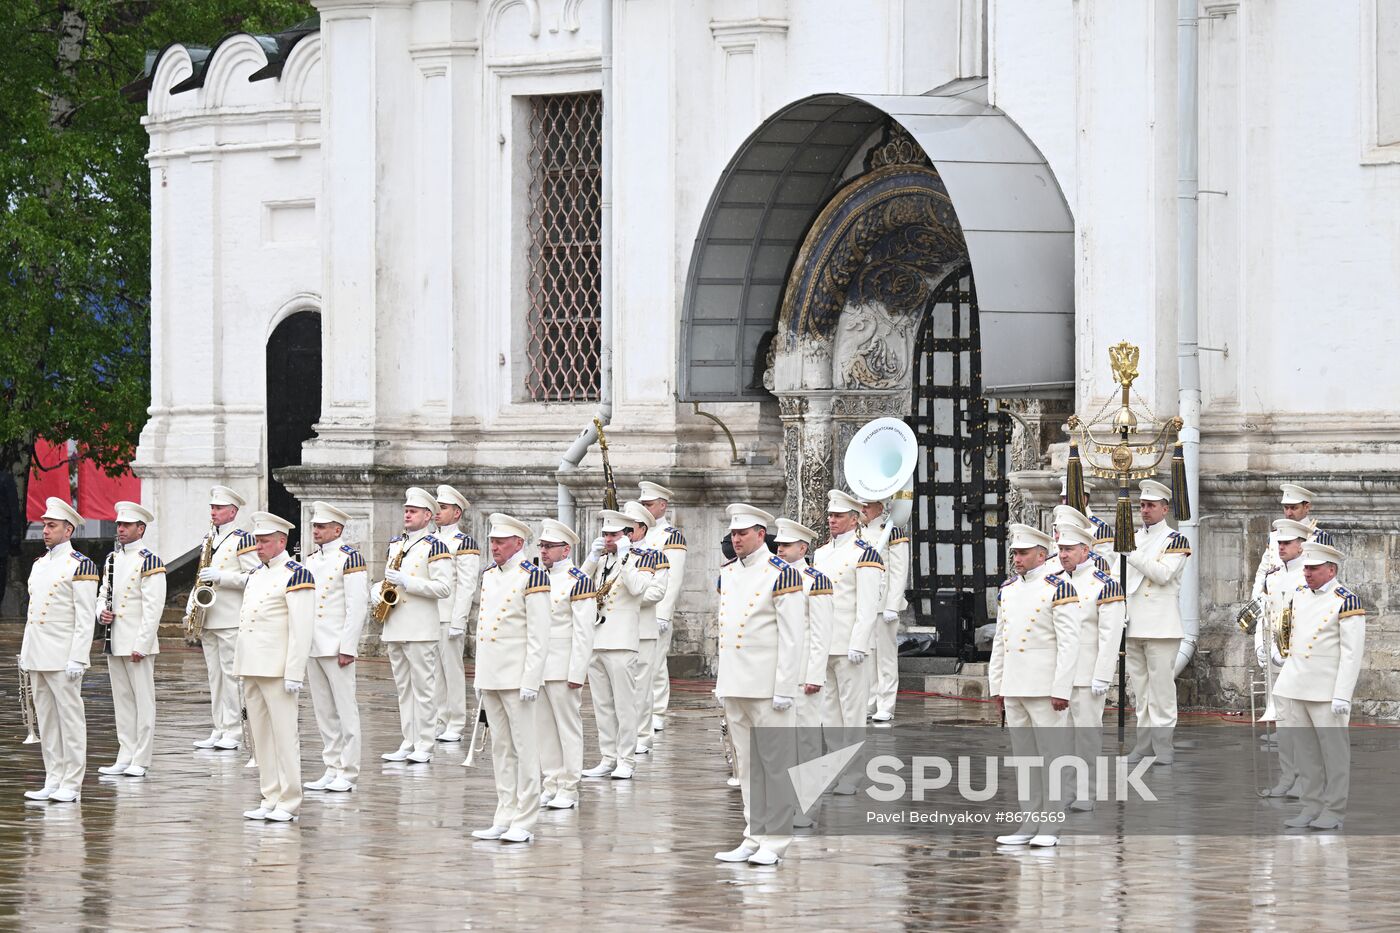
1181, 493
1074, 481
1124, 541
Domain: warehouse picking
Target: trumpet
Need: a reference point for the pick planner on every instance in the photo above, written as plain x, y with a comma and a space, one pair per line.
203, 595
26, 704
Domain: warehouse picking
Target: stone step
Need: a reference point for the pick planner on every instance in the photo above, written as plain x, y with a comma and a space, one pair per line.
958, 685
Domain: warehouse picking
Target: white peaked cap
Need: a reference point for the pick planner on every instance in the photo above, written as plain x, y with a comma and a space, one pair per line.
1068, 515
1314, 554
1286, 529
452, 497
222, 495
790, 532
638, 513
649, 491
1293, 494
134, 512
265, 523
323, 513
1150, 489
839, 501
56, 508
419, 499
615, 521
1074, 534
1020, 536
558, 533
506, 526
746, 516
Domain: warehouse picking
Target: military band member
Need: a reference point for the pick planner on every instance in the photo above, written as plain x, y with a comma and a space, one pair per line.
1280, 583
1297, 507
234, 554
1103, 531
856, 574
624, 581
669, 540
138, 598
1032, 670
450, 694
411, 632
648, 625
1314, 690
342, 601
1154, 623
57, 638
762, 617
1066, 515
1099, 614
276, 620
884, 679
573, 615
512, 642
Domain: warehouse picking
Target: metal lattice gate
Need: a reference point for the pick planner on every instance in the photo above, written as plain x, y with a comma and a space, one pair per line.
960, 510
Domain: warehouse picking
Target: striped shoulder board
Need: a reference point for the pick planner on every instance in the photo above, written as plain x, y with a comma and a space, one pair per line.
788, 581
300, 579
466, 544
675, 541
86, 569
396, 539
652, 561
1323, 537
1351, 603
1177, 544
899, 536
778, 562
436, 549
246, 542
538, 581
821, 586
1110, 591
1102, 530
583, 585
150, 563
353, 561
869, 557
1064, 590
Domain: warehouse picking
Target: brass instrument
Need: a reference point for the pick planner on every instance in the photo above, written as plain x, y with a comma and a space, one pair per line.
388, 593
1249, 616
1283, 636
474, 747
248, 742
26, 704
729, 755
202, 596
609, 484
105, 598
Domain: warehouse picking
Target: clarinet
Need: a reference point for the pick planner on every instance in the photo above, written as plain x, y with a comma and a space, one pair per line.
108, 601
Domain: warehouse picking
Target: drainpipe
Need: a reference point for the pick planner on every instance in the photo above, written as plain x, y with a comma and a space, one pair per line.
574, 455
1188, 353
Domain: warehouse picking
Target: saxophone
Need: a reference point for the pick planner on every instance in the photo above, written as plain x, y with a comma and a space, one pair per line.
388, 593
203, 595
1283, 636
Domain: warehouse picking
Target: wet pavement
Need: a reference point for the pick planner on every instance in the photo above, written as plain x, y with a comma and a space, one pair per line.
171, 851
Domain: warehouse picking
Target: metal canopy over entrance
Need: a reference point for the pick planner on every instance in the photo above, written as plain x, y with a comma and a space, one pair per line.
1018, 229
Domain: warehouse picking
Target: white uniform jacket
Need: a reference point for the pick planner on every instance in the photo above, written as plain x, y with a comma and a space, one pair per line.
671, 543
1036, 646
857, 576
428, 566
820, 606
573, 615
235, 553
276, 621
1100, 611
1326, 647
634, 583
896, 561
62, 606
1154, 583
342, 599
138, 599
512, 627
762, 615
456, 608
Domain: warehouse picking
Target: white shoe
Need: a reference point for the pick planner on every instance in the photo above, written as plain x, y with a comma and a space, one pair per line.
643, 749
495, 832
43, 794
259, 814
1296, 791
340, 786
882, 716
1302, 819
562, 802
280, 816
1043, 841
450, 737
400, 755
764, 857
740, 854
1016, 839
545, 798
118, 768
250, 763
845, 789
64, 795
420, 758
207, 743
226, 745
601, 769
321, 782
658, 724
516, 835
622, 773
1322, 822
733, 782
135, 771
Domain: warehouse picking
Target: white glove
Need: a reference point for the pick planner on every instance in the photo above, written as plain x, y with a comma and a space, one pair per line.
782, 703
209, 575
595, 550
527, 695
663, 625
75, 670
624, 544
890, 615
1100, 688
291, 686
854, 656
1339, 707
1261, 654
1278, 659
456, 632
395, 577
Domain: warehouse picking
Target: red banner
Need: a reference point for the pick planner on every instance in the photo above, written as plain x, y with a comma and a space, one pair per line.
47, 477
98, 493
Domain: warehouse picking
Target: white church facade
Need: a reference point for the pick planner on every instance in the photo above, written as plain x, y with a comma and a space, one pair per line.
408, 244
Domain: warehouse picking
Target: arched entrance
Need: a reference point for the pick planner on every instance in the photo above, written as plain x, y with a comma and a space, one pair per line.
293, 404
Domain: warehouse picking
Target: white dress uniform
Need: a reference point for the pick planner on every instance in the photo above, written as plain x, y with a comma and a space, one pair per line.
670, 541
1292, 494
1154, 630
648, 630
761, 620
276, 624
234, 554
884, 684
58, 632
512, 641
410, 638
1035, 652
1327, 646
342, 602
450, 694
1279, 587
138, 599
856, 574
573, 615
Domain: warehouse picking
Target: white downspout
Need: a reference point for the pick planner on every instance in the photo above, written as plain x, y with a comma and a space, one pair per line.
1188, 354
574, 455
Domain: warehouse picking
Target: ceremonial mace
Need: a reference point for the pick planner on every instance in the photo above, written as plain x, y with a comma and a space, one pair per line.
1124, 447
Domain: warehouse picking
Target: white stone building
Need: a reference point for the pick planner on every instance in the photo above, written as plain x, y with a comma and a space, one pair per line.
402, 211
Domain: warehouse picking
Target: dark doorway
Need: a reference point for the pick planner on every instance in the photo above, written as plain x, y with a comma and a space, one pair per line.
293, 405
